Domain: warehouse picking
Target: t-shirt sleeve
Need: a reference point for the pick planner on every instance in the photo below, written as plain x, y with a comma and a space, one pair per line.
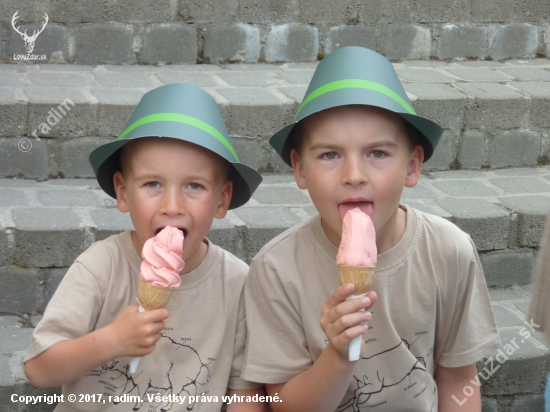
235, 380
72, 312
276, 347
468, 329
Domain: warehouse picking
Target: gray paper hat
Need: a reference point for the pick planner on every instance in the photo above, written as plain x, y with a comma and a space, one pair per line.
355, 75
178, 111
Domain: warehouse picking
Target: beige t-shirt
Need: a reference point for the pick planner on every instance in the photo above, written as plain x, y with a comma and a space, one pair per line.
433, 308
200, 351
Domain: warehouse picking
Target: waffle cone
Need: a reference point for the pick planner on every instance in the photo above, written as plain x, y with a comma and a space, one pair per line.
360, 276
152, 297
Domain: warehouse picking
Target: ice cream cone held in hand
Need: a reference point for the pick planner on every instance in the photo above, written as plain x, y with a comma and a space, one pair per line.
356, 260
160, 270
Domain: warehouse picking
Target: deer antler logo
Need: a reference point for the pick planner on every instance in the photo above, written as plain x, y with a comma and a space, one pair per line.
29, 40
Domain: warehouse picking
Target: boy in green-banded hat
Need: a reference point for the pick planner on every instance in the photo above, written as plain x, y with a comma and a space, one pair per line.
172, 165
357, 143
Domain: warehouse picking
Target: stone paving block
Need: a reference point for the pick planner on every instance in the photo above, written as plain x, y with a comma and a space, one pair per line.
211, 11
110, 43
262, 225
482, 11
46, 237
21, 290
54, 39
23, 388
226, 235
170, 43
198, 79
514, 148
53, 79
319, 11
54, 277
67, 197
302, 77
72, 157
232, 43
292, 42
248, 79
505, 318
540, 95
9, 80
476, 74
528, 403
424, 75
522, 185
129, 80
5, 250
520, 370
346, 35
495, 106
30, 164
489, 405
454, 174
465, 188
250, 96
273, 195
267, 11
444, 154
520, 171
487, 224
507, 268
295, 93
13, 198
114, 109
109, 222
532, 211
528, 74
427, 207
249, 150
441, 10
514, 40
462, 41
407, 42
13, 114
420, 191
55, 112
441, 103
514, 293
472, 150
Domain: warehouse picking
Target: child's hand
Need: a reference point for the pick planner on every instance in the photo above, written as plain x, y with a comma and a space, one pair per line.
341, 321
135, 333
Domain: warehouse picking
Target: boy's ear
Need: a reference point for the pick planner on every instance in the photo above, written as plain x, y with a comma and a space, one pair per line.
225, 199
298, 168
120, 190
415, 166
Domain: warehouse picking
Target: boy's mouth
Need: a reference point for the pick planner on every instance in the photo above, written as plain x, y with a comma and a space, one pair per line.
363, 204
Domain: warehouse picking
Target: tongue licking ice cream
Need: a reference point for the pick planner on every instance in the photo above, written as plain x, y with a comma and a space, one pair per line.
160, 270
356, 260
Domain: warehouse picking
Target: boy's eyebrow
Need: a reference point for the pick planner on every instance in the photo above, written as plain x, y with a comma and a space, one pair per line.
327, 145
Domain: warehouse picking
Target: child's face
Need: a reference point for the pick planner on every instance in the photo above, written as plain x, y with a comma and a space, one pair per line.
357, 156
169, 182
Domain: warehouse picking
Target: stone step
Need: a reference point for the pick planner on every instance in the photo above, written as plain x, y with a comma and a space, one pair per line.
51, 116
176, 31
45, 225
513, 380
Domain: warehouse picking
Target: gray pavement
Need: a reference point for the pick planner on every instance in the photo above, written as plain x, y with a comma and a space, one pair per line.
495, 114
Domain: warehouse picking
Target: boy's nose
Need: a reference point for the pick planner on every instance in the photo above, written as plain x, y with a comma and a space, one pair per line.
172, 203
354, 172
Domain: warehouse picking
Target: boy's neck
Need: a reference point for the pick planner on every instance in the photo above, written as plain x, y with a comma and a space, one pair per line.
386, 237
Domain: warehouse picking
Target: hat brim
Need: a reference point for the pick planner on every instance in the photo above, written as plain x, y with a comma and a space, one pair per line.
430, 133
105, 161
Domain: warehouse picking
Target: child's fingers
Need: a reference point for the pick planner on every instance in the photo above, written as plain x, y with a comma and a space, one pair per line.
345, 308
155, 315
339, 296
346, 322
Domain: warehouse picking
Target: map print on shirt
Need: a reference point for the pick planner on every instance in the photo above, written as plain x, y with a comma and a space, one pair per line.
118, 381
405, 373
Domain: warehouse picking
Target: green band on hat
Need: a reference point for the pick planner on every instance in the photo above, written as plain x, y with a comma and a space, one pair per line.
356, 84
181, 118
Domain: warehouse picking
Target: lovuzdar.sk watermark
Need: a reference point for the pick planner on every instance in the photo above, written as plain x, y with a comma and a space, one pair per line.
29, 40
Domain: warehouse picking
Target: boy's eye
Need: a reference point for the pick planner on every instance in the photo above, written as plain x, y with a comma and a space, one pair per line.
330, 156
152, 184
378, 154
194, 186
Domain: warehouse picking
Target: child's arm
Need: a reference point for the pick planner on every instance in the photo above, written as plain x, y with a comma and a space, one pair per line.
451, 381
323, 385
246, 406
130, 334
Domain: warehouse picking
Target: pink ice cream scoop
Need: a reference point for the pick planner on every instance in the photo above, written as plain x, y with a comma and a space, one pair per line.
162, 260
358, 244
